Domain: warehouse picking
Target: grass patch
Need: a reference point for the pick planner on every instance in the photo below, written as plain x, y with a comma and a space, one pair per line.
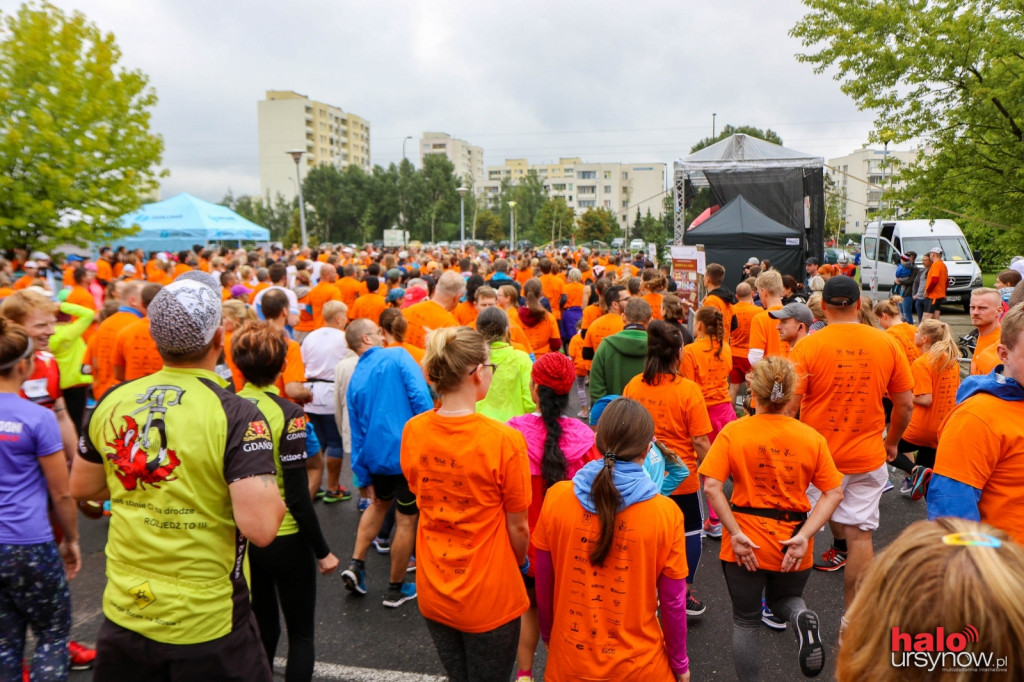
989, 278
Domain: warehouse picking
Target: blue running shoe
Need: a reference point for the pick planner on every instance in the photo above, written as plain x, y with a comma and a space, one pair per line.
355, 579
363, 504
398, 596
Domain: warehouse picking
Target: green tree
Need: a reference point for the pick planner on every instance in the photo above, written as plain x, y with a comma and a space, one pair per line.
439, 187
596, 223
947, 73
489, 225
555, 220
276, 217
75, 142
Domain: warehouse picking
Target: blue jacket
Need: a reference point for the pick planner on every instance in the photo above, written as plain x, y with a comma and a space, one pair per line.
386, 390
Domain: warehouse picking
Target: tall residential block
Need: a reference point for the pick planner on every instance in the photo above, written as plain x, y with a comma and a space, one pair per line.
328, 135
859, 179
618, 187
467, 159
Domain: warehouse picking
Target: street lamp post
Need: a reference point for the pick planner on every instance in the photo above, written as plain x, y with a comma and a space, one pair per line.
296, 154
401, 193
512, 226
462, 216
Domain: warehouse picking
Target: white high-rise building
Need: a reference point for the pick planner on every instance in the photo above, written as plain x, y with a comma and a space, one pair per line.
859, 181
467, 159
289, 121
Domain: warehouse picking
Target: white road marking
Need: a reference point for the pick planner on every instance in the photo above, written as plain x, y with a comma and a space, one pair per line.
347, 673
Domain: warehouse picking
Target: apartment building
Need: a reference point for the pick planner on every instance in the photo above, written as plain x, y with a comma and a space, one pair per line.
859, 180
288, 121
468, 159
618, 187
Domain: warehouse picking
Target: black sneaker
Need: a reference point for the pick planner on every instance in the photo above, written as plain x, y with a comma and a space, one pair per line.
354, 579
831, 560
694, 607
811, 651
398, 596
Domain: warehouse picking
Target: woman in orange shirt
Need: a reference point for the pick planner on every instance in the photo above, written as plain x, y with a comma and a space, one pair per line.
473, 496
652, 283
610, 553
540, 325
708, 361
890, 319
936, 380
681, 421
393, 326
769, 524
575, 295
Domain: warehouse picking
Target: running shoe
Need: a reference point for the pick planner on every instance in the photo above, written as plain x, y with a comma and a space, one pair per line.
694, 607
411, 568
712, 530
318, 495
524, 678
888, 486
382, 545
82, 657
355, 579
831, 560
339, 495
363, 504
770, 619
906, 487
398, 596
811, 651
919, 482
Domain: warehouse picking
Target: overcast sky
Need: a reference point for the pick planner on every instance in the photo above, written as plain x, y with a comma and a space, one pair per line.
605, 81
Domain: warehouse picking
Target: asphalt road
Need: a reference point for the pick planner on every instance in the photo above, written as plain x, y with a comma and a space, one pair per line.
360, 640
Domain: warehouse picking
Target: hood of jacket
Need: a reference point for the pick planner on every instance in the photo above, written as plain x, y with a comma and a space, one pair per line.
630, 480
527, 317
993, 383
631, 342
576, 441
724, 293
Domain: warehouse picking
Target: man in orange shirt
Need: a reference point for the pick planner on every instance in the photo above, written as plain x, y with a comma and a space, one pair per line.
980, 459
935, 285
615, 298
844, 370
764, 336
369, 305
105, 266
316, 298
102, 345
719, 296
739, 340
135, 354
349, 286
292, 382
553, 288
435, 312
79, 295
31, 269
986, 306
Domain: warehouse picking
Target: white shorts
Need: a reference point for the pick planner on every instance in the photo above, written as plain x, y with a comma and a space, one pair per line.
861, 495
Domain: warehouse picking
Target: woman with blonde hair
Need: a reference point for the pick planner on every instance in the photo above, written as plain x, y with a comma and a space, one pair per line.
473, 496
890, 318
949, 575
936, 375
814, 303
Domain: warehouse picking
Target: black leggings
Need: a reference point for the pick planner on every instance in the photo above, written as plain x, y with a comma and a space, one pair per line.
75, 399
925, 457
477, 656
285, 572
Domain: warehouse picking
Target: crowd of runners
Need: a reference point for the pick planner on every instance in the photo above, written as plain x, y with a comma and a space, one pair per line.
541, 442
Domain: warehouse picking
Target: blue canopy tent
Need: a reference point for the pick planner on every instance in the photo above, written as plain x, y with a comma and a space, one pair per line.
181, 221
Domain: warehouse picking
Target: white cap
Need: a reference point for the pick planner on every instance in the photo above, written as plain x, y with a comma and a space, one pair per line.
753, 261
129, 269
936, 249
39, 255
403, 254
31, 264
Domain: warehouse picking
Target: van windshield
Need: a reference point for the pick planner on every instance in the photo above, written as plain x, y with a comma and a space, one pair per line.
953, 248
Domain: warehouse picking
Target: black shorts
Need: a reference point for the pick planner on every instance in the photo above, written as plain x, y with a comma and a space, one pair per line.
394, 487
930, 306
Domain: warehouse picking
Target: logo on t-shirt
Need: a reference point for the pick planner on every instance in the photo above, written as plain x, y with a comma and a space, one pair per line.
257, 430
135, 463
142, 595
297, 425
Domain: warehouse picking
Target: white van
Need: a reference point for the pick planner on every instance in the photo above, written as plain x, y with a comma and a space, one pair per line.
883, 243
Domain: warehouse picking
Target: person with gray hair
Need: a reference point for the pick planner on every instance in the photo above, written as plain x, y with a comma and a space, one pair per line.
189, 469
435, 312
621, 356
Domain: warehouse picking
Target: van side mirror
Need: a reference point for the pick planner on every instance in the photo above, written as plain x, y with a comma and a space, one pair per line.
976, 254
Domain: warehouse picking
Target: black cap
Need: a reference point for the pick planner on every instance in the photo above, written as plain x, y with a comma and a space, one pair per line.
812, 261
840, 290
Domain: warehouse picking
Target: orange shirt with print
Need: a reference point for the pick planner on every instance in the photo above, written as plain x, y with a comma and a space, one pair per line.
739, 338
985, 361
369, 307
423, 316
710, 372
843, 372
679, 413
553, 288
723, 307
938, 278
574, 294
771, 459
615, 605
764, 334
654, 300
942, 385
607, 325
349, 287
103, 270
904, 334
468, 578
988, 454
542, 334
465, 312
316, 298
102, 349
136, 351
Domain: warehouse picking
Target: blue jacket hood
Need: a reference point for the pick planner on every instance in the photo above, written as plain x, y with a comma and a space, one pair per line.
993, 383
630, 480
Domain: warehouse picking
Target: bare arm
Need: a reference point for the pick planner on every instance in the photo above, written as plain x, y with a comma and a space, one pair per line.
298, 392
701, 444
923, 400
796, 546
258, 508
88, 480
55, 471
792, 409
518, 533
68, 433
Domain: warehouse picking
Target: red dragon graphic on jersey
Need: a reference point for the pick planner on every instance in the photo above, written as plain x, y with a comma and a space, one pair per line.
133, 466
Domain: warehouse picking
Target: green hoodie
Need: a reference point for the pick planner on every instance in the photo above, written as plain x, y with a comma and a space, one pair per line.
618, 359
509, 393
68, 347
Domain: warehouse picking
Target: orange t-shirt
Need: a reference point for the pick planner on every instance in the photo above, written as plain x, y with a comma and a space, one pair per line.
574, 294
590, 313
423, 316
465, 312
576, 353
160, 277
369, 307
316, 298
553, 288
260, 286
723, 307
988, 454
136, 351
679, 413
524, 276
103, 270
985, 361
990, 340
904, 334
843, 371
606, 617
5, 292
739, 338
764, 335
601, 328
81, 296
180, 269
68, 277
294, 368
771, 459
655, 302
468, 577
540, 334
236, 374
349, 287
152, 268
925, 422
709, 372
938, 278
103, 348
416, 353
